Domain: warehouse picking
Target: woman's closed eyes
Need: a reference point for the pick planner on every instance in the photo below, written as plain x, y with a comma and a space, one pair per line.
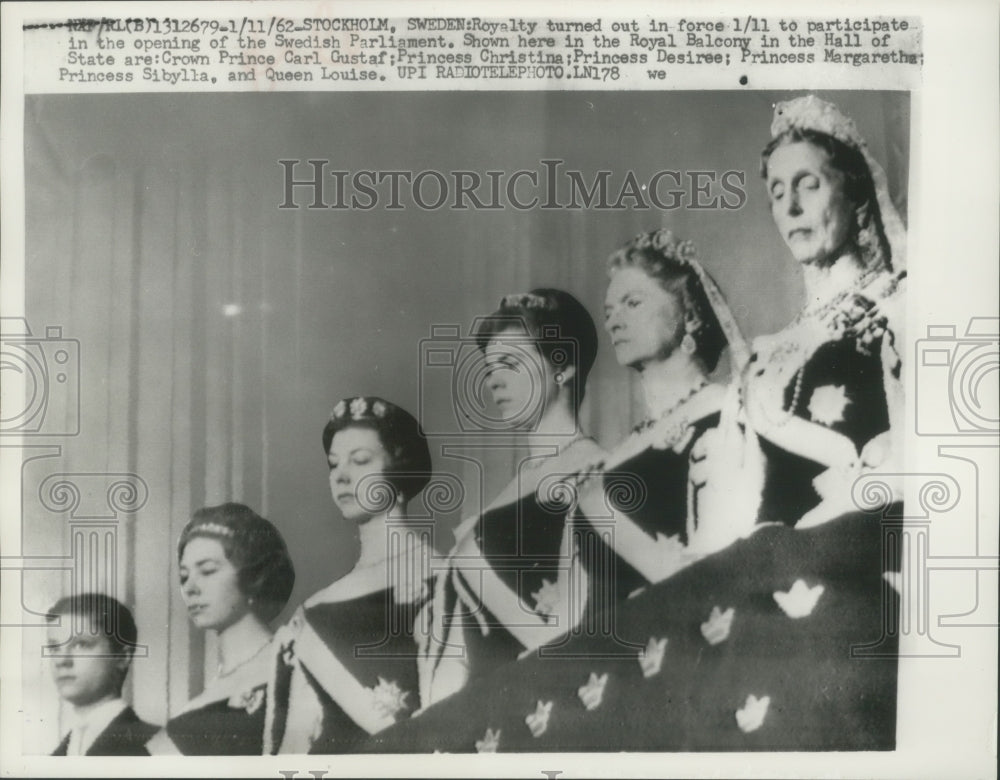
206, 569
358, 458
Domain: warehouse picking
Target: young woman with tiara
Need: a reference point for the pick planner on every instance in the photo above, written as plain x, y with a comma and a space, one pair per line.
235, 577
346, 663
514, 580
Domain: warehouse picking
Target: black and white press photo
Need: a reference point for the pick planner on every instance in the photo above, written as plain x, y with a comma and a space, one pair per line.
437, 383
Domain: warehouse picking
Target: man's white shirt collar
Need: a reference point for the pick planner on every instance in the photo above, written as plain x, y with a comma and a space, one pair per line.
87, 729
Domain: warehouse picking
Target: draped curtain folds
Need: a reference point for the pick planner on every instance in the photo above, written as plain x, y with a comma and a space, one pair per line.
170, 389
217, 331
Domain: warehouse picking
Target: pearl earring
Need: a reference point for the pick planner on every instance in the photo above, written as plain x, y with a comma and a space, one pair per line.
688, 344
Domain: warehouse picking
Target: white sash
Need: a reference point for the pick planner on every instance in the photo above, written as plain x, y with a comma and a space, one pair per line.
660, 557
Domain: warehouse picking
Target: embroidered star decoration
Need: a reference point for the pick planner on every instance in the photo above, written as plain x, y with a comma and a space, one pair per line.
388, 698
651, 656
798, 601
489, 743
546, 598
716, 628
751, 716
538, 721
827, 404
592, 693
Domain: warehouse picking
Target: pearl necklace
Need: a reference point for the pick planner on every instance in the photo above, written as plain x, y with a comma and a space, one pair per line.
818, 313
221, 672
650, 422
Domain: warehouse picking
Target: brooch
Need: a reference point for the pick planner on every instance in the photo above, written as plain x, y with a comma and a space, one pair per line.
247, 700
388, 698
546, 598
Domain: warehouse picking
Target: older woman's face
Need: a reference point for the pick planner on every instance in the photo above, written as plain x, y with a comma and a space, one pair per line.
210, 585
358, 462
808, 203
645, 322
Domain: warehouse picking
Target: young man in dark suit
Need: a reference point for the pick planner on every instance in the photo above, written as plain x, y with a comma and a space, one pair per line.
90, 669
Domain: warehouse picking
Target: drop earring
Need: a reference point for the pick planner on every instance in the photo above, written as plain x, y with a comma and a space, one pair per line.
866, 238
688, 344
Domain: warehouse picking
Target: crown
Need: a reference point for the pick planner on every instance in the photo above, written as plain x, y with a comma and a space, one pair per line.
751, 716
388, 698
212, 528
359, 408
716, 628
592, 693
811, 113
800, 600
546, 598
665, 242
526, 301
489, 743
651, 656
538, 721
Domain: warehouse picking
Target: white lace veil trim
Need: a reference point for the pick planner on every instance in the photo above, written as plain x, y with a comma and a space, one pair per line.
739, 352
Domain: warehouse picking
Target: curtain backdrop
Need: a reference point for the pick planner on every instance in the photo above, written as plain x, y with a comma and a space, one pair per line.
216, 331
